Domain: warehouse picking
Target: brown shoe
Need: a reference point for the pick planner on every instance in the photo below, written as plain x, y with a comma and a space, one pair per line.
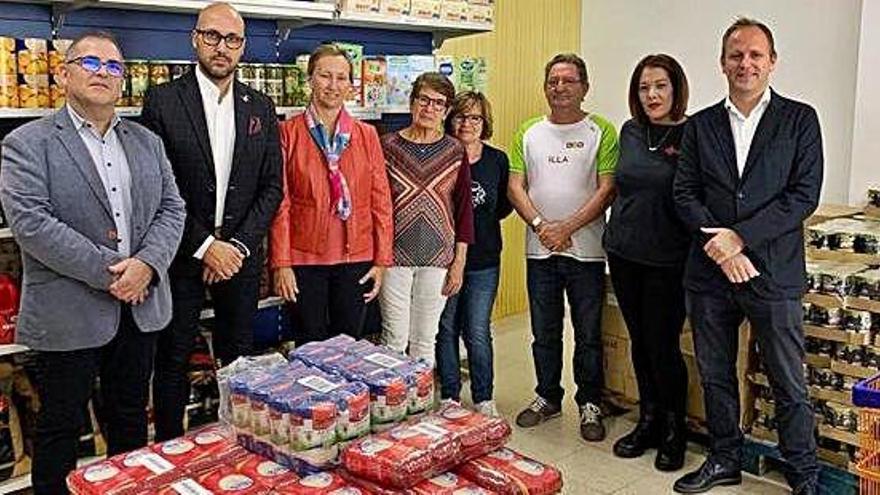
592, 429
538, 411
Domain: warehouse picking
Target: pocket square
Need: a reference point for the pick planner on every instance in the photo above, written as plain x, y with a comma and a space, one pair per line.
255, 125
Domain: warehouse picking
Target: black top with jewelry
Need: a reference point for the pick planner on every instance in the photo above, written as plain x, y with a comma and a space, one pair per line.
644, 227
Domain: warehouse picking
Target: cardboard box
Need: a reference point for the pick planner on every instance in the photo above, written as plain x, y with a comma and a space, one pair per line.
455, 11
359, 6
394, 8
616, 361
482, 14
375, 82
425, 9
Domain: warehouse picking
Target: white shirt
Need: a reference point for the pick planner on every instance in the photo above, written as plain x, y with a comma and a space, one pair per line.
113, 168
220, 117
744, 128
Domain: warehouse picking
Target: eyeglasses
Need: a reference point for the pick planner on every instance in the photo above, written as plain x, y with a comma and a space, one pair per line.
426, 101
93, 64
212, 37
562, 82
470, 119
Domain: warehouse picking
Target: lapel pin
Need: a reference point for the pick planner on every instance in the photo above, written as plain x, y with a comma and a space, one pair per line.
245, 98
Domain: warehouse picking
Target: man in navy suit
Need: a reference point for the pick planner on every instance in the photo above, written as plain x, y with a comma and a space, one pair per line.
749, 175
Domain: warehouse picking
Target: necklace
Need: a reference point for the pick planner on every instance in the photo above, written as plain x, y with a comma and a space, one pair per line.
659, 143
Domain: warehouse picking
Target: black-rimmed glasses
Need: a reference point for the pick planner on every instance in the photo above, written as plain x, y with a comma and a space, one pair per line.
212, 37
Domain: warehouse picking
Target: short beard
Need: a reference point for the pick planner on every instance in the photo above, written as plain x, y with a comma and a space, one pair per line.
215, 74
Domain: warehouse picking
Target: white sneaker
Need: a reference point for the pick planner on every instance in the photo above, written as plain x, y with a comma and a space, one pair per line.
487, 408
446, 402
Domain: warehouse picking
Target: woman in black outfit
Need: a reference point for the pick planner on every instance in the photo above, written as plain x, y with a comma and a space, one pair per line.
646, 246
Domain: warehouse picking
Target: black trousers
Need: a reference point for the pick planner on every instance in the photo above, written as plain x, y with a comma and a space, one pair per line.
652, 302
235, 305
64, 383
330, 301
777, 325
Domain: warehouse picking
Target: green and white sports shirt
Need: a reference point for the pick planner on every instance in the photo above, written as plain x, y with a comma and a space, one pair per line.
562, 163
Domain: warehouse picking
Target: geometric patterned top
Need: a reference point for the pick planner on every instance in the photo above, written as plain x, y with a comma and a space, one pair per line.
431, 199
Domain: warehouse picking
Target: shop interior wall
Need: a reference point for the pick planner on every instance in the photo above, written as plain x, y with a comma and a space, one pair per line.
866, 133
527, 34
817, 42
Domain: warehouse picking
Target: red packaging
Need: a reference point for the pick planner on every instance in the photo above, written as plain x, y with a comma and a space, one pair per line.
410, 453
227, 479
146, 468
511, 473
448, 484
265, 471
327, 483
103, 478
200, 450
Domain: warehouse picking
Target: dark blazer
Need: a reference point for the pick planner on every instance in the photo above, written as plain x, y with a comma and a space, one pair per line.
778, 190
61, 218
175, 112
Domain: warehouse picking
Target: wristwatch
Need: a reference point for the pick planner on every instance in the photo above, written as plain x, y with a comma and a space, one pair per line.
536, 222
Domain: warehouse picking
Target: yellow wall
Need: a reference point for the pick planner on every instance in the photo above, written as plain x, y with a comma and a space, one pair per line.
527, 34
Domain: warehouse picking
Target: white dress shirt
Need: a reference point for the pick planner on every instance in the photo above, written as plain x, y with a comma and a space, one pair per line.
744, 128
113, 168
220, 117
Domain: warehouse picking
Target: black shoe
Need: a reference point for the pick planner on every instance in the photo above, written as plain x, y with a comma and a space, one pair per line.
538, 411
646, 435
592, 429
673, 443
710, 474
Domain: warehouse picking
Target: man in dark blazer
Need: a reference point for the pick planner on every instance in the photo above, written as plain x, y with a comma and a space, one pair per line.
92, 203
222, 140
749, 175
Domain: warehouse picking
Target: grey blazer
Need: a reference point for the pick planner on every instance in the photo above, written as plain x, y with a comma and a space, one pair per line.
59, 214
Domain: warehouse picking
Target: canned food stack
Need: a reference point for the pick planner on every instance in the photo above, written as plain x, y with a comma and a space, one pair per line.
8, 74
33, 72
57, 56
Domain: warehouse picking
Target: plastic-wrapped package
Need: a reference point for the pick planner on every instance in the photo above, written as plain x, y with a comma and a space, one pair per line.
264, 471
237, 367
507, 472
200, 450
326, 483
865, 284
227, 479
443, 484
415, 451
146, 468
103, 478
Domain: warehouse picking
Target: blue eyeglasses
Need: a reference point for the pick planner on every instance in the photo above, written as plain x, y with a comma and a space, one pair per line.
93, 64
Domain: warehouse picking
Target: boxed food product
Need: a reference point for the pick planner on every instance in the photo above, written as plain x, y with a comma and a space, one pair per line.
511, 473
481, 2
375, 82
425, 9
295, 86
359, 6
413, 452
472, 74
455, 11
402, 72
482, 14
356, 55
103, 478
394, 8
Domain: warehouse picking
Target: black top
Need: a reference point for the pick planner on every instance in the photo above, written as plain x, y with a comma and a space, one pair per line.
489, 191
644, 227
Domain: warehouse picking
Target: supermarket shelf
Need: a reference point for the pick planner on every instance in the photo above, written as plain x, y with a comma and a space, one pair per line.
853, 370
818, 361
268, 302
846, 437
836, 335
362, 113
838, 396
442, 30
290, 10
843, 256
10, 349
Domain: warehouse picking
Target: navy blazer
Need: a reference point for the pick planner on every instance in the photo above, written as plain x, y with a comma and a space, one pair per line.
174, 111
767, 206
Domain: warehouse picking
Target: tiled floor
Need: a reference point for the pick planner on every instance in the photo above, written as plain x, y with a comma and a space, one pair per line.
587, 468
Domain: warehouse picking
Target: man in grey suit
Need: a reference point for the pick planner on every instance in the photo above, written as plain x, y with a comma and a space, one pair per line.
92, 202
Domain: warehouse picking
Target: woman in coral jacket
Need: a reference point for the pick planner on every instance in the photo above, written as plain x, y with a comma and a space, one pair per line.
332, 236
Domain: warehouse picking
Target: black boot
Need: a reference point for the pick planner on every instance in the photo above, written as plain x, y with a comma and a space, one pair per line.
645, 435
673, 443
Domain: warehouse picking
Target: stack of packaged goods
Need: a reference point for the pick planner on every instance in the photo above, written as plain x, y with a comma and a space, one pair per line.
297, 414
33, 72
8, 73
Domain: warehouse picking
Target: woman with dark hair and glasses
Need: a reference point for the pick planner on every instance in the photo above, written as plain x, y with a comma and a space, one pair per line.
647, 245
331, 237
467, 314
433, 220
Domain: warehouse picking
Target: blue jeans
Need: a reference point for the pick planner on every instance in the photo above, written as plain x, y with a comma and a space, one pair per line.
549, 280
467, 316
